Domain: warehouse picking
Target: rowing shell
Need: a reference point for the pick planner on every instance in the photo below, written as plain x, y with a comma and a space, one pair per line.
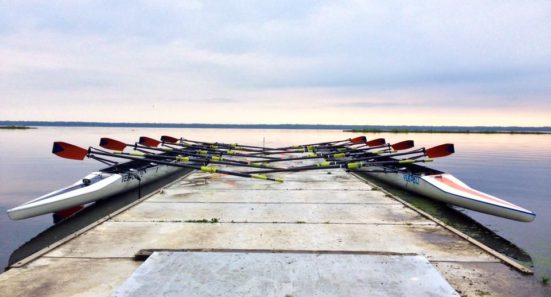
447, 188
95, 186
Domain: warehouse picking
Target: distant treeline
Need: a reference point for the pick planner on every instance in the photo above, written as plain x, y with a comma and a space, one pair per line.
13, 127
349, 128
464, 130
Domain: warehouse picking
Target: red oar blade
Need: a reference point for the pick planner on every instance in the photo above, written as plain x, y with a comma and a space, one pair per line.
112, 144
169, 139
149, 141
403, 145
376, 142
440, 150
69, 151
358, 140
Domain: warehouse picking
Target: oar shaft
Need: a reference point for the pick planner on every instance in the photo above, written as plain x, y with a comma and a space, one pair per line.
264, 153
197, 158
420, 151
234, 146
318, 143
215, 146
200, 150
350, 165
188, 166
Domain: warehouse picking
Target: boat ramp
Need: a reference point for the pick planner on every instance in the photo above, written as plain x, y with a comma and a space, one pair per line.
320, 233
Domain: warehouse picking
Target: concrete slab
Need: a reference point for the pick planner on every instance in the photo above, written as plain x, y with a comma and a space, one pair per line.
267, 274
125, 239
61, 277
270, 213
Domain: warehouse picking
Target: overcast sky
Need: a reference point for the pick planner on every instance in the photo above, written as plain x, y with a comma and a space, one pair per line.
327, 62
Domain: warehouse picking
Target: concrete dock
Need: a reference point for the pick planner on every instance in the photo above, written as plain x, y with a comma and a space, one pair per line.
323, 226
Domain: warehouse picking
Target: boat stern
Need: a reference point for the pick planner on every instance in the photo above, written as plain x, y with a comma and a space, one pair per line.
454, 191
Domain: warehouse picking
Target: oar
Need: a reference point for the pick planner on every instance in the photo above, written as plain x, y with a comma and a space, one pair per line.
232, 146
329, 147
196, 158
199, 159
356, 140
349, 146
153, 142
69, 151
403, 145
200, 144
434, 152
385, 149
118, 147
255, 151
350, 165
147, 143
342, 148
150, 144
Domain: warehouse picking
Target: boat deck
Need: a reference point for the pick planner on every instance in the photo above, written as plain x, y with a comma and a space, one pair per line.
312, 213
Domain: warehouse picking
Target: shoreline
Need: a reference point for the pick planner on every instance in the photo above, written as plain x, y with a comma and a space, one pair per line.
288, 126
12, 127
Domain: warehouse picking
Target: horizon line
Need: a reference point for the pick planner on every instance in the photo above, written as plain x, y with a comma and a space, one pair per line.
221, 125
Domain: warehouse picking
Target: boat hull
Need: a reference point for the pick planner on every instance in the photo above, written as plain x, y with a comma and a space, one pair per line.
448, 189
95, 186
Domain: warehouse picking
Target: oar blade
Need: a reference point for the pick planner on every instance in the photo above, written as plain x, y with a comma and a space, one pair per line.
169, 139
112, 144
376, 142
440, 150
149, 141
403, 145
69, 151
358, 140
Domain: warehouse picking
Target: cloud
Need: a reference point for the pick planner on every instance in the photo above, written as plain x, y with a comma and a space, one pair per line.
276, 55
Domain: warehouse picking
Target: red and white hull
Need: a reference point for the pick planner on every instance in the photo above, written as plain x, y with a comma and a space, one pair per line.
447, 188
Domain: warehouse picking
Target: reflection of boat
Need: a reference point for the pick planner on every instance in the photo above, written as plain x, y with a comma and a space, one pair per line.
95, 186
446, 188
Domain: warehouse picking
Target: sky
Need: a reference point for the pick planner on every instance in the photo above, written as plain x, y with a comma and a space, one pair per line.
304, 62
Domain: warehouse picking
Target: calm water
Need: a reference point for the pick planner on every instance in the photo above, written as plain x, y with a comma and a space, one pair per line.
514, 167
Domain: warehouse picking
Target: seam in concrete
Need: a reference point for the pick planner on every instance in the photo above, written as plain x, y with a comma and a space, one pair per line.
87, 258
497, 261
293, 203
64, 240
141, 255
253, 222
473, 241
470, 261
289, 189
268, 190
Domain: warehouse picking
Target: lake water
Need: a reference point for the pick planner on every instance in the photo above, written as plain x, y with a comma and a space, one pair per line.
514, 167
